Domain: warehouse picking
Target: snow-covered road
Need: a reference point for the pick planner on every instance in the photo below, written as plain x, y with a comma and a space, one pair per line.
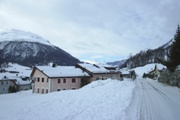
154, 101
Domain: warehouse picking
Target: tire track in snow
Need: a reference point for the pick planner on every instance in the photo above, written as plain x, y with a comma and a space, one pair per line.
172, 105
146, 110
155, 104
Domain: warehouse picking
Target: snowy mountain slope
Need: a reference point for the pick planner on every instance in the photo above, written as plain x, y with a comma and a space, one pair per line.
100, 100
28, 49
145, 57
168, 44
150, 56
18, 35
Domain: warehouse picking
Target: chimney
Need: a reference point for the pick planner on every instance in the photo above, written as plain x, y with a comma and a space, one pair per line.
53, 65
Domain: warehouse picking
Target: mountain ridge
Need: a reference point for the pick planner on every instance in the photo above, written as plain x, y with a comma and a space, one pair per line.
31, 49
145, 57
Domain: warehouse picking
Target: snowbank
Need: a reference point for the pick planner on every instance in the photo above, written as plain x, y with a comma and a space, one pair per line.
103, 99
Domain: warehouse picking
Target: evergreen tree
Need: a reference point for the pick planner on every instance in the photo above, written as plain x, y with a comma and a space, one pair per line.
10, 89
14, 89
174, 53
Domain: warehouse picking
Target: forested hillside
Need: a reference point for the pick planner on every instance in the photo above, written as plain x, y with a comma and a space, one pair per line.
149, 56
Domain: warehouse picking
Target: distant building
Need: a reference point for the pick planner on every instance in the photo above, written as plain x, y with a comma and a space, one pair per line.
15, 75
155, 72
17, 82
5, 83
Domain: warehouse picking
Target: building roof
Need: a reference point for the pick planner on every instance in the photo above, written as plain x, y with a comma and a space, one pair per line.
62, 71
93, 68
9, 76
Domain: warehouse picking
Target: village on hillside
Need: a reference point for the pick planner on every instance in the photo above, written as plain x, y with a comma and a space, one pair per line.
45, 79
51, 78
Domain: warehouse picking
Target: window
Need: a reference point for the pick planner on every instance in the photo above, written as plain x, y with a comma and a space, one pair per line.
42, 91
4, 89
2, 82
6, 82
46, 90
38, 90
73, 80
59, 80
58, 89
42, 79
38, 79
47, 80
97, 78
64, 80
73, 88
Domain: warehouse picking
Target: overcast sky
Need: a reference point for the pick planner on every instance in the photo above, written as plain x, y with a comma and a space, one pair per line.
96, 30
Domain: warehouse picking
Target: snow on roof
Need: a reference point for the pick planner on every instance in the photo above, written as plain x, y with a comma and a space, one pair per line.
11, 76
93, 68
19, 81
62, 71
125, 71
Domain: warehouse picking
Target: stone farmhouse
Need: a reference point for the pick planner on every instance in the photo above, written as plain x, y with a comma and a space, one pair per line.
56, 78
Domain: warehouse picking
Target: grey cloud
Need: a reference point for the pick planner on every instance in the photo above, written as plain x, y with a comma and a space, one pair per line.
95, 27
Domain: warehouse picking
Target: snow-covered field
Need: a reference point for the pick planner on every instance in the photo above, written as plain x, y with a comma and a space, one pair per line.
100, 100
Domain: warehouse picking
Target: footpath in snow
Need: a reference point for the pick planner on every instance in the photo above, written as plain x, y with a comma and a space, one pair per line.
100, 100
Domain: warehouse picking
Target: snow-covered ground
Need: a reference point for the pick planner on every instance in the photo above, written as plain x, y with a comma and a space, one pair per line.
142, 99
100, 100
23, 70
154, 101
